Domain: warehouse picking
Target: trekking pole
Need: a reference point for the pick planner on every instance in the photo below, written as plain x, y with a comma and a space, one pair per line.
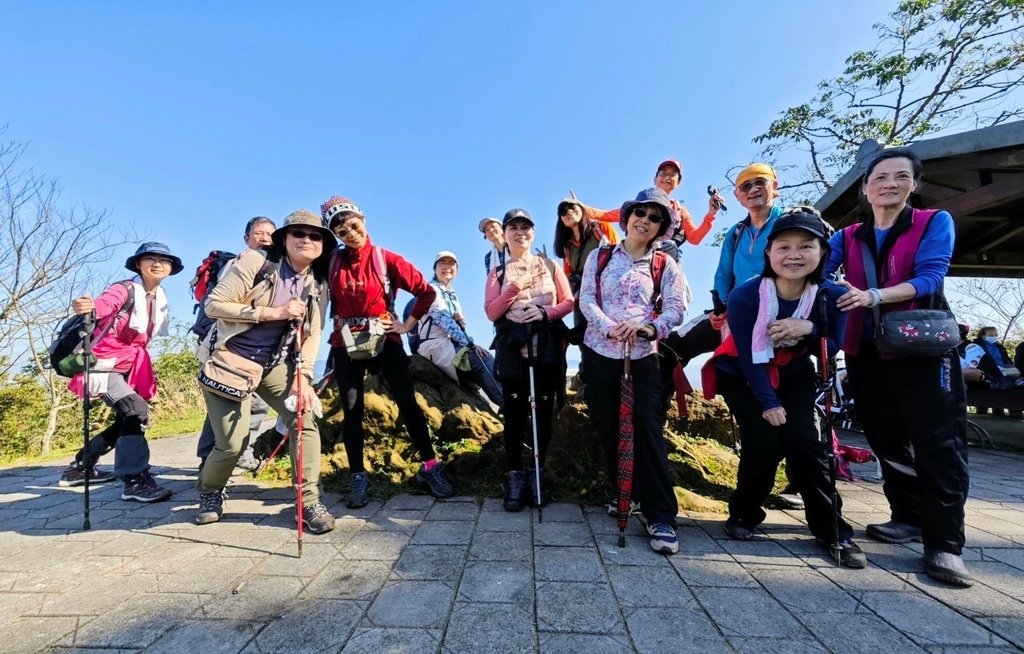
277, 448
530, 360
823, 363
88, 323
300, 408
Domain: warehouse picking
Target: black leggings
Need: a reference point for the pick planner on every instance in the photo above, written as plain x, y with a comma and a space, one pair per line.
518, 415
393, 364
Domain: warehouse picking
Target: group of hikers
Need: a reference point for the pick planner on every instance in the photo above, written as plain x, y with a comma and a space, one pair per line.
780, 297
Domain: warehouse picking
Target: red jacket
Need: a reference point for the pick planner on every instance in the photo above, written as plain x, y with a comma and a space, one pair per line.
357, 290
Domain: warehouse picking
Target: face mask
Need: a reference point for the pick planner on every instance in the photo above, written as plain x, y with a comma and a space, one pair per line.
992, 339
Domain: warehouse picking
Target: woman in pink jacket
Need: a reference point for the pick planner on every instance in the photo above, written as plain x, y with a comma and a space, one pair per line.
123, 377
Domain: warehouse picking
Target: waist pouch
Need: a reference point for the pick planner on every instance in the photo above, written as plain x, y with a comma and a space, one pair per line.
917, 332
229, 375
364, 343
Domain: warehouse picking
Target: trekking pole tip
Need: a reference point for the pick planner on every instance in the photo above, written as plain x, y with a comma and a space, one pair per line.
622, 538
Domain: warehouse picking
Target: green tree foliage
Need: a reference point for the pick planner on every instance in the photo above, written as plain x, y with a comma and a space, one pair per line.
939, 65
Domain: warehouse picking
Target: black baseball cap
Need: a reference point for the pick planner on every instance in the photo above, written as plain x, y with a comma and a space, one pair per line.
516, 214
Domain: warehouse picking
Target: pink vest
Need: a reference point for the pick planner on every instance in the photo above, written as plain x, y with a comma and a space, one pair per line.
896, 268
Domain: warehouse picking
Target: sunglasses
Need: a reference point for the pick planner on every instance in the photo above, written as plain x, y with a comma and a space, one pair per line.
653, 215
760, 182
300, 234
564, 210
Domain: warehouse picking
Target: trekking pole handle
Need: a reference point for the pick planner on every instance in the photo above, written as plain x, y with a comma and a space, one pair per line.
716, 302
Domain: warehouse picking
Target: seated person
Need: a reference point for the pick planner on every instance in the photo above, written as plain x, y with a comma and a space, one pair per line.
442, 335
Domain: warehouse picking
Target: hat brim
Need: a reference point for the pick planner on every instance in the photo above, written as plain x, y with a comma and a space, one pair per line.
330, 240
521, 218
132, 262
627, 208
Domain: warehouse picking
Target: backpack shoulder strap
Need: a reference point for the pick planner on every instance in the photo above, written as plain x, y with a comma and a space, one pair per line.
657, 273
381, 268
604, 255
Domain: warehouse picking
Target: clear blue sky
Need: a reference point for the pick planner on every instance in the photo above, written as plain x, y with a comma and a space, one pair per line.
185, 119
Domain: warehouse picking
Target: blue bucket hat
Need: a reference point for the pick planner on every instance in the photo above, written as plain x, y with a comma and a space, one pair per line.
648, 196
157, 249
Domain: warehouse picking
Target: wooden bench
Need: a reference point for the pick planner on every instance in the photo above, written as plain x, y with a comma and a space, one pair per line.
1012, 400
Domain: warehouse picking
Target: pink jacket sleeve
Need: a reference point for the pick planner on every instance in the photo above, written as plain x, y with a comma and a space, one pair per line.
496, 302
563, 296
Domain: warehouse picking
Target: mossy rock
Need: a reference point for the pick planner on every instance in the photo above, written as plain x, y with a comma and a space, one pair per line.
468, 438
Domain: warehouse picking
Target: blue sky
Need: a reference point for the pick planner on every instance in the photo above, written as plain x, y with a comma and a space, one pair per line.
185, 119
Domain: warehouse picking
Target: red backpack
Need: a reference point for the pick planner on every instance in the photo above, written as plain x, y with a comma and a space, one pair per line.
604, 255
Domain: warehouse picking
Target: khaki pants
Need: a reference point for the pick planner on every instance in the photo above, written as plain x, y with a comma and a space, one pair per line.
230, 422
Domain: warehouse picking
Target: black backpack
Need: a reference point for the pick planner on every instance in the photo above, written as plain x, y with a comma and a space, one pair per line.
65, 349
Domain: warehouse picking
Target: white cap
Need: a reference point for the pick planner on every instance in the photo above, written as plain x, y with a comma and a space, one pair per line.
445, 254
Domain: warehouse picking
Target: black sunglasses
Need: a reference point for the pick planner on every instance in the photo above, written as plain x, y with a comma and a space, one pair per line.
301, 234
653, 215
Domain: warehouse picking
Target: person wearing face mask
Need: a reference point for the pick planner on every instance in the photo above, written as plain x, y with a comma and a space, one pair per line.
363, 281
527, 301
913, 408
443, 338
988, 340
258, 232
131, 313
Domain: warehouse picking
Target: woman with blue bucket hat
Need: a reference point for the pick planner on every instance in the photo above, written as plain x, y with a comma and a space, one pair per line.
128, 315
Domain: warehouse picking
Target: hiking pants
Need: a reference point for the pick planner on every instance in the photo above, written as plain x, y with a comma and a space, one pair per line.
127, 434
393, 364
652, 479
919, 403
518, 414
798, 440
258, 410
481, 373
230, 421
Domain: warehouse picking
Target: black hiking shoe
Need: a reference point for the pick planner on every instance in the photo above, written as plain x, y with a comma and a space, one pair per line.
894, 532
736, 530
74, 475
358, 491
514, 491
850, 554
541, 499
317, 518
211, 507
143, 488
435, 481
947, 567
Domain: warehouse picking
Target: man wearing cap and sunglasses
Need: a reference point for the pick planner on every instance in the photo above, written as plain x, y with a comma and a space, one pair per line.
443, 338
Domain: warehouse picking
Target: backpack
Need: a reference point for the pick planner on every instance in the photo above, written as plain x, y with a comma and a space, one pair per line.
205, 279
65, 349
413, 335
604, 255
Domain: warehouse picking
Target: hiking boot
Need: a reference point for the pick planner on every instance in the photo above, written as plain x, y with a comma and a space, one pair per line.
894, 532
358, 490
663, 538
143, 488
317, 518
74, 475
247, 462
435, 481
211, 507
531, 485
850, 554
613, 508
947, 567
514, 490
736, 530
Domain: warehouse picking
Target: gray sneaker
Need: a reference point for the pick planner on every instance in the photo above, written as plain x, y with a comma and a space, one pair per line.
317, 518
947, 567
74, 475
143, 488
211, 507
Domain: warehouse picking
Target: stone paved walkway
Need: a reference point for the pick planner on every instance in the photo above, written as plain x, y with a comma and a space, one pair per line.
414, 575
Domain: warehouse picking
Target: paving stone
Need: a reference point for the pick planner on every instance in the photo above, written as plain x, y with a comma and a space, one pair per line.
489, 629
311, 625
137, 624
927, 621
562, 512
1011, 629
775, 646
803, 591
286, 562
694, 540
449, 510
577, 608
553, 643
376, 546
32, 634
857, 632
731, 609
716, 570
633, 588
636, 552
208, 575
856, 582
440, 562
566, 534
503, 521
980, 601
1013, 557
501, 546
262, 599
444, 532
378, 640
409, 502
497, 581
396, 520
356, 580
206, 636
423, 604
95, 594
676, 630
567, 564
762, 552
